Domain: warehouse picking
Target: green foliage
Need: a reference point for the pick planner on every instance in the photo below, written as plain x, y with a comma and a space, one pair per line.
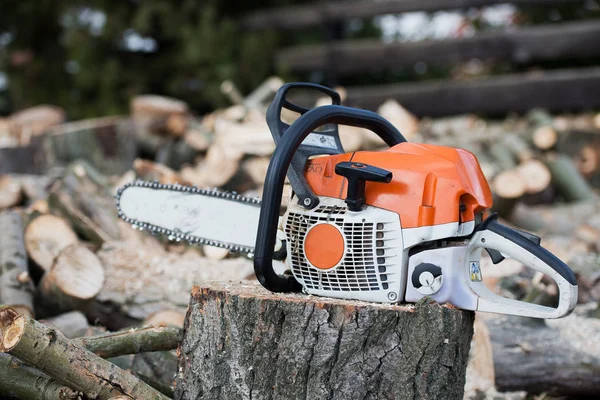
74, 53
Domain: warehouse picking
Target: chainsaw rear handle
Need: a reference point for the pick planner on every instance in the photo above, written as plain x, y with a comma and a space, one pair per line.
493, 235
273, 189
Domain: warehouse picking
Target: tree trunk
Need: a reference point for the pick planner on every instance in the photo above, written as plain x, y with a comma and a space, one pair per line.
243, 342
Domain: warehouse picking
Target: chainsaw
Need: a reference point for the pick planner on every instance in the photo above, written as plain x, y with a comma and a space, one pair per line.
379, 226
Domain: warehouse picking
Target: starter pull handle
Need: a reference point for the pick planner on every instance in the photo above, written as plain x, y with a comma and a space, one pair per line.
357, 174
495, 236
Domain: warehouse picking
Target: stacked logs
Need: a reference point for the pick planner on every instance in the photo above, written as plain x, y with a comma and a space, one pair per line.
71, 274
67, 261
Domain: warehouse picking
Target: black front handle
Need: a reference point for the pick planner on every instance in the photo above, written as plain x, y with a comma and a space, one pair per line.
273, 189
326, 141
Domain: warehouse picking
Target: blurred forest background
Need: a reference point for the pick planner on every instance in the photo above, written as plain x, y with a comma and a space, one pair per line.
90, 57
96, 94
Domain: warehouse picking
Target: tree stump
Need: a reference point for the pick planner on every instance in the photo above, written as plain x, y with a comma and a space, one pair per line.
242, 342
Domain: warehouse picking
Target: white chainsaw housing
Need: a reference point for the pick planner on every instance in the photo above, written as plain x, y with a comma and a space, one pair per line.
372, 266
456, 288
375, 260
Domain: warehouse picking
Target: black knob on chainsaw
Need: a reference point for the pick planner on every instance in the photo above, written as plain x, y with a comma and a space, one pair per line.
357, 174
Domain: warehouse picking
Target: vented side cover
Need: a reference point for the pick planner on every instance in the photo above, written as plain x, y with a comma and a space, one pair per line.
371, 268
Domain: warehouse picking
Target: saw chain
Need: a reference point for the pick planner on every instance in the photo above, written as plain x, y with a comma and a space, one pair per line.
177, 235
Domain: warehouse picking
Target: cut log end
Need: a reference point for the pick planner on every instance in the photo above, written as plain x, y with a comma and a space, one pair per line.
10, 192
12, 326
13, 333
535, 174
166, 318
76, 272
509, 184
45, 237
545, 137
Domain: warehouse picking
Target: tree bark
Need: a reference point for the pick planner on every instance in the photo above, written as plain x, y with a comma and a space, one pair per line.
23, 382
559, 219
241, 341
57, 356
16, 288
108, 144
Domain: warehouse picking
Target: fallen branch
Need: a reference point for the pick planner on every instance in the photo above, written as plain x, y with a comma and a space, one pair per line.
23, 382
132, 341
57, 356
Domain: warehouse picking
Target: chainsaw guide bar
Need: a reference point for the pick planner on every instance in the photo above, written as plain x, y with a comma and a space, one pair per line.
183, 210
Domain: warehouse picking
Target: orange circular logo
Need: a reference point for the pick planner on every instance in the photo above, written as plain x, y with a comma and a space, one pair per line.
324, 246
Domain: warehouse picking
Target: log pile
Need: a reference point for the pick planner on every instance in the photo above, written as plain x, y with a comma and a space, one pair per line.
70, 269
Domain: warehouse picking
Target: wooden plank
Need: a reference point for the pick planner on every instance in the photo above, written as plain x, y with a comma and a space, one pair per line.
306, 15
570, 40
557, 90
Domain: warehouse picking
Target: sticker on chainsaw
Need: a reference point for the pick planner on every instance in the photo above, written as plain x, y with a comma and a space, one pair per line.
475, 271
320, 140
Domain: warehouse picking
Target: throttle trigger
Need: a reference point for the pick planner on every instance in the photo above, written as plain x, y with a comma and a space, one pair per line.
495, 255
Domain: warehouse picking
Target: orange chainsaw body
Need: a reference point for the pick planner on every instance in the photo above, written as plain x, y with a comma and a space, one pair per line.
430, 185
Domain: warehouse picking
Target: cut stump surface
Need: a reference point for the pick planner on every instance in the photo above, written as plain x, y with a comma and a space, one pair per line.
241, 341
